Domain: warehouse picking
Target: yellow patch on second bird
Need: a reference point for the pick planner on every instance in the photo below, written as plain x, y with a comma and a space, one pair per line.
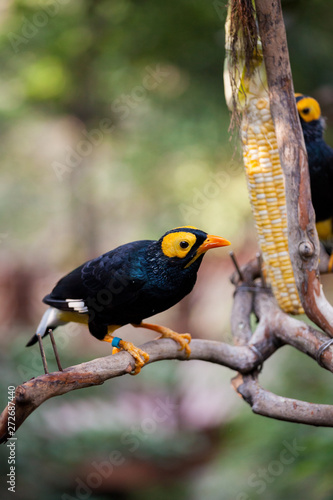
324, 229
308, 108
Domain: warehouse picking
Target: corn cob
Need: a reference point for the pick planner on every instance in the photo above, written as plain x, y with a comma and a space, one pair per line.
266, 186
265, 178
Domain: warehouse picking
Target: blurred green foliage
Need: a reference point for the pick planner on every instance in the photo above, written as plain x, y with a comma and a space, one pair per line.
151, 72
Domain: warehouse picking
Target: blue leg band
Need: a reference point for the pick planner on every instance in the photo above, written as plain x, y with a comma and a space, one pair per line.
115, 342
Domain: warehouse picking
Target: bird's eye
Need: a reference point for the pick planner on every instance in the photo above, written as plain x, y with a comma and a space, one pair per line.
184, 244
306, 111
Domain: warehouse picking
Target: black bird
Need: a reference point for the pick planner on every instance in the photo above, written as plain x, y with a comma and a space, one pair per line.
128, 284
320, 158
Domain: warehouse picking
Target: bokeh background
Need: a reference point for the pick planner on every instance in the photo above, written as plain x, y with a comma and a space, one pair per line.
114, 128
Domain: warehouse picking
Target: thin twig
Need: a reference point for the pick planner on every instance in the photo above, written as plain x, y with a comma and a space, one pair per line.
235, 263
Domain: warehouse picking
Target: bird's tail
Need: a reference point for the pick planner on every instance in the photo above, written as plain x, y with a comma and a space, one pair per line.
50, 320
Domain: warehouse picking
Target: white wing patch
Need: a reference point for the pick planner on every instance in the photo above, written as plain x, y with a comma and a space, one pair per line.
78, 305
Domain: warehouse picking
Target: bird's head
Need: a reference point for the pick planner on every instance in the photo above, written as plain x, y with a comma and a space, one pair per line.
310, 115
184, 246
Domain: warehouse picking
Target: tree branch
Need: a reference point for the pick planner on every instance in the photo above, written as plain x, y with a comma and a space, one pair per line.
270, 405
280, 328
240, 315
292, 331
303, 238
31, 394
274, 329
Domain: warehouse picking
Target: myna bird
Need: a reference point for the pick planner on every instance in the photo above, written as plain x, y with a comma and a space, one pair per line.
320, 159
128, 284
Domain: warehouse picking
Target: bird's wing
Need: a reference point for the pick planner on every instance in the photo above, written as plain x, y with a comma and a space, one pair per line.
119, 274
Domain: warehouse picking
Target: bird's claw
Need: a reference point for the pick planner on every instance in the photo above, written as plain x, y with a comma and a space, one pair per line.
140, 356
183, 339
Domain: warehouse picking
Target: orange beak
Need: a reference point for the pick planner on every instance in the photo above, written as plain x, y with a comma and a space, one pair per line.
212, 242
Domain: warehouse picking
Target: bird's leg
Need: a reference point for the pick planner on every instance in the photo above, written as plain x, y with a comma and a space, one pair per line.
140, 356
42, 352
110, 338
183, 339
55, 350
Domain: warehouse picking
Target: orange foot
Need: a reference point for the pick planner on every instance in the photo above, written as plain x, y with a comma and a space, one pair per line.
140, 356
183, 339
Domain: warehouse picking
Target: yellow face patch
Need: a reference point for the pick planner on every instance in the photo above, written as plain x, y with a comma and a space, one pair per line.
178, 244
308, 109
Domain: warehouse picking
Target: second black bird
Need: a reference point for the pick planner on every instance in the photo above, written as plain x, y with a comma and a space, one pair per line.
320, 159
